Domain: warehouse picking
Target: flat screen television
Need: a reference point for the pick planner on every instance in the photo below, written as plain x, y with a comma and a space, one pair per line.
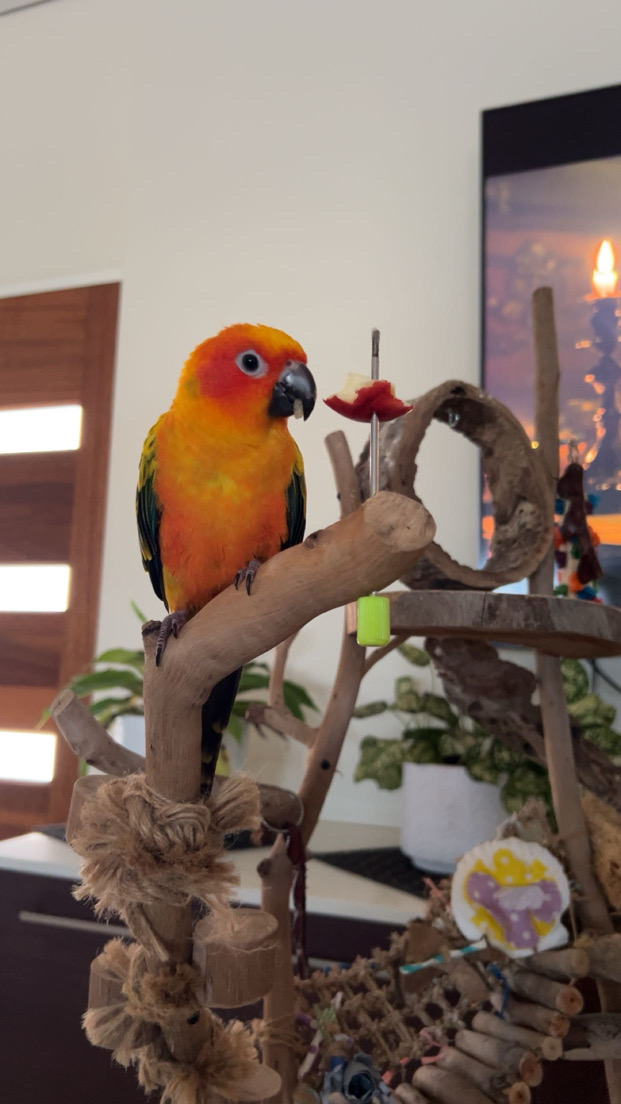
551, 195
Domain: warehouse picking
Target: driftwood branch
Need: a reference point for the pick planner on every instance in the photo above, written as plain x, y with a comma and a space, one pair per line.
275, 714
522, 519
281, 720
546, 1021
568, 963
447, 1088
496, 1084
83, 733
544, 1046
592, 907
498, 696
89, 740
551, 994
380, 653
547, 623
322, 760
365, 551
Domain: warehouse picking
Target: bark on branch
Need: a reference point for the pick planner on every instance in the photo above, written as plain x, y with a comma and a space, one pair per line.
363, 552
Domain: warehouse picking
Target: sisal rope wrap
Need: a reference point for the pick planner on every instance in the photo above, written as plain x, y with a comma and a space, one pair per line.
130, 1027
139, 847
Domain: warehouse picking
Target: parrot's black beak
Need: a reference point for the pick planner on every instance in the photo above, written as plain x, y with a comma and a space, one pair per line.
294, 392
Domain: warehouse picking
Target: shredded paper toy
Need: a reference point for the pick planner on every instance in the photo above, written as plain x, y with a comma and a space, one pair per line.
513, 892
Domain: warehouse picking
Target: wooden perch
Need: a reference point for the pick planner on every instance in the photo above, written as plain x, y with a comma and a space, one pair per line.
522, 520
544, 1046
407, 1094
89, 740
235, 956
552, 994
553, 625
447, 1088
501, 1055
363, 552
495, 1083
591, 906
604, 955
568, 963
547, 1021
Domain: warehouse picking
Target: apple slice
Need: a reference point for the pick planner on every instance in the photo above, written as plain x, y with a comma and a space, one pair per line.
362, 397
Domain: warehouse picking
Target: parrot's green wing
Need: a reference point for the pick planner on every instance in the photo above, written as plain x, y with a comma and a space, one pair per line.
296, 504
148, 513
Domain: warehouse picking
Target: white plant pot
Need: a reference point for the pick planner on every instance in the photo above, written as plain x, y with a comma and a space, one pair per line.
445, 813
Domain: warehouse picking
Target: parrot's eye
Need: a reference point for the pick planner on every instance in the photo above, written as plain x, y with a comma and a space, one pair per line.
251, 363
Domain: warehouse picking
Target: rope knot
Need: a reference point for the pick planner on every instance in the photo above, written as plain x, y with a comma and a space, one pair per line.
139, 847
141, 998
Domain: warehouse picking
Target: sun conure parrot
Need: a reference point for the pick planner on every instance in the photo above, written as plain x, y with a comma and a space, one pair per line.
221, 483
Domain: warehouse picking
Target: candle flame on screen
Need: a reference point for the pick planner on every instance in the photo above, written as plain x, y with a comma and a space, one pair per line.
605, 278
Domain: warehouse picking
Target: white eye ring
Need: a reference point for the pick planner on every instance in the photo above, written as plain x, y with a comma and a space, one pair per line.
251, 364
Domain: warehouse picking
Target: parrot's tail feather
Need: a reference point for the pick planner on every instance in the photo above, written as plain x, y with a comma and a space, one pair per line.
216, 713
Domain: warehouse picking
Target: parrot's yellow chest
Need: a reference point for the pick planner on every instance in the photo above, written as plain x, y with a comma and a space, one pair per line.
223, 503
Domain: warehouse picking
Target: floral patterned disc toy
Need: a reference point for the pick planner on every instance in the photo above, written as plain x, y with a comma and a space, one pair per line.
514, 893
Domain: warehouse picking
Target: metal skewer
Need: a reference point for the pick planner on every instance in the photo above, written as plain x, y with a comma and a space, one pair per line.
374, 449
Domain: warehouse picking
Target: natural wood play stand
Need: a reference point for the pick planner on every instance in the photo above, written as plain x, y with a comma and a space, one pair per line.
161, 992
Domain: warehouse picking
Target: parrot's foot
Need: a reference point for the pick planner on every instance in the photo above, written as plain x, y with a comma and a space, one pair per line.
248, 573
170, 626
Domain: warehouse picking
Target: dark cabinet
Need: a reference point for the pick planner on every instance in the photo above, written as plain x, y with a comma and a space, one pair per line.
47, 943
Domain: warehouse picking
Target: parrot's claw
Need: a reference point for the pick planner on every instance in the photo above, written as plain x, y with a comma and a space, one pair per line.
171, 625
248, 573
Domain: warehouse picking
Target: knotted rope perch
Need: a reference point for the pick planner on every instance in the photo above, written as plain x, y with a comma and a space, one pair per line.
130, 1026
140, 848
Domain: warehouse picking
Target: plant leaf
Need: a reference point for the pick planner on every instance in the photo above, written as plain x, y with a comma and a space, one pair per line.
251, 681
139, 614
300, 693
240, 706
235, 728
102, 704
370, 709
121, 709
109, 679
417, 656
123, 655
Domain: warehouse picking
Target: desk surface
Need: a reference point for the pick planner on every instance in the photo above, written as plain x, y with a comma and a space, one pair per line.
331, 892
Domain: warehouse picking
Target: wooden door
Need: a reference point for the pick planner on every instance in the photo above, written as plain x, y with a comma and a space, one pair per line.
56, 349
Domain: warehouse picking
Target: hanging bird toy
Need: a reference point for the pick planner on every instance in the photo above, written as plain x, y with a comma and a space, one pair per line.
370, 399
575, 540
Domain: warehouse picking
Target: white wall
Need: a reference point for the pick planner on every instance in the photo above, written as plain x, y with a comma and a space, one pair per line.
312, 164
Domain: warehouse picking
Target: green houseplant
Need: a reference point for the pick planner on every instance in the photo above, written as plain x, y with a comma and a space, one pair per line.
433, 733
115, 678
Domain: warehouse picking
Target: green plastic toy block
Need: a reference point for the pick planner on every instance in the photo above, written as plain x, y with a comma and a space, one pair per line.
373, 621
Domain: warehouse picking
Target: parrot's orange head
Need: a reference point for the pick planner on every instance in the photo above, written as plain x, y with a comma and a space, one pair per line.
251, 371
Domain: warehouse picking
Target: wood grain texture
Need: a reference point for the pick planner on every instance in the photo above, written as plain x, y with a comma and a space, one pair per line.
552, 625
86, 543
42, 341
522, 520
30, 648
56, 347
376, 542
235, 957
36, 507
